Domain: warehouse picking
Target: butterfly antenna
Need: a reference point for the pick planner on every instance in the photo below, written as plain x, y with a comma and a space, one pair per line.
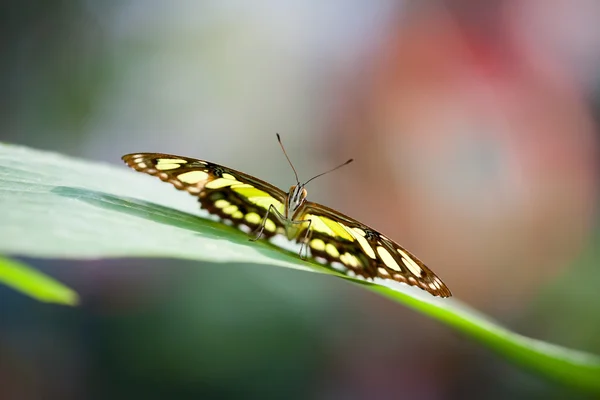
331, 170
286, 156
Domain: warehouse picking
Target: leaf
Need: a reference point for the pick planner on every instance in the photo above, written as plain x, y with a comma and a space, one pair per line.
68, 208
35, 284
570, 366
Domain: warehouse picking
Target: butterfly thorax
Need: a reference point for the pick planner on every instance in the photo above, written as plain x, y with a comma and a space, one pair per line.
294, 201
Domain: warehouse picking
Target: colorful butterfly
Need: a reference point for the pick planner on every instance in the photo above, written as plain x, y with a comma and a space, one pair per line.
331, 237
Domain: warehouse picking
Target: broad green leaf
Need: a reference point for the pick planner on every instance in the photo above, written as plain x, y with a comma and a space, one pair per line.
34, 283
67, 208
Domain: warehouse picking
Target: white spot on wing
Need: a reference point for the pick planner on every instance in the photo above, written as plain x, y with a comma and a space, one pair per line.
365, 246
411, 264
387, 259
244, 228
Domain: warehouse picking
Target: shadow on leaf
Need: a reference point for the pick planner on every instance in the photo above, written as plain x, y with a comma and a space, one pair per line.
179, 219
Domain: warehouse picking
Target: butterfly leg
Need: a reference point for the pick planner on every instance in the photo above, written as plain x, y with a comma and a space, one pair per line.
258, 232
306, 239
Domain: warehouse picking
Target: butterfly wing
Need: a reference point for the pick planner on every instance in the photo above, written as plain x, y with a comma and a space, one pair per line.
339, 239
229, 194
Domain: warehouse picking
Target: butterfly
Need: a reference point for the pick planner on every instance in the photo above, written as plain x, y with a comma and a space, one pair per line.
331, 237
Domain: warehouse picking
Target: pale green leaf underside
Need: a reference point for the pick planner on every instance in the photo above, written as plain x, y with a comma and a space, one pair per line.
59, 207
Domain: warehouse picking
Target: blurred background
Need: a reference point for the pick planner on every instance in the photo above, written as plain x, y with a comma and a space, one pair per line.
474, 129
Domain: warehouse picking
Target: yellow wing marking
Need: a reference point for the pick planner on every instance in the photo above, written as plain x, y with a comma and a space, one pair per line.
170, 161
165, 164
359, 235
257, 196
339, 229
237, 215
230, 209
270, 226
221, 203
387, 259
329, 227
351, 260
332, 250
411, 264
252, 194
317, 244
193, 177
220, 183
166, 167
253, 218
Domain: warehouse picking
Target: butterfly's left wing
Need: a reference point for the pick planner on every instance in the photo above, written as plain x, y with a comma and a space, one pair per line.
338, 239
231, 195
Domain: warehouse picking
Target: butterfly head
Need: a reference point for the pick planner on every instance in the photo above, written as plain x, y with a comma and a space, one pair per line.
297, 194
295, 198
